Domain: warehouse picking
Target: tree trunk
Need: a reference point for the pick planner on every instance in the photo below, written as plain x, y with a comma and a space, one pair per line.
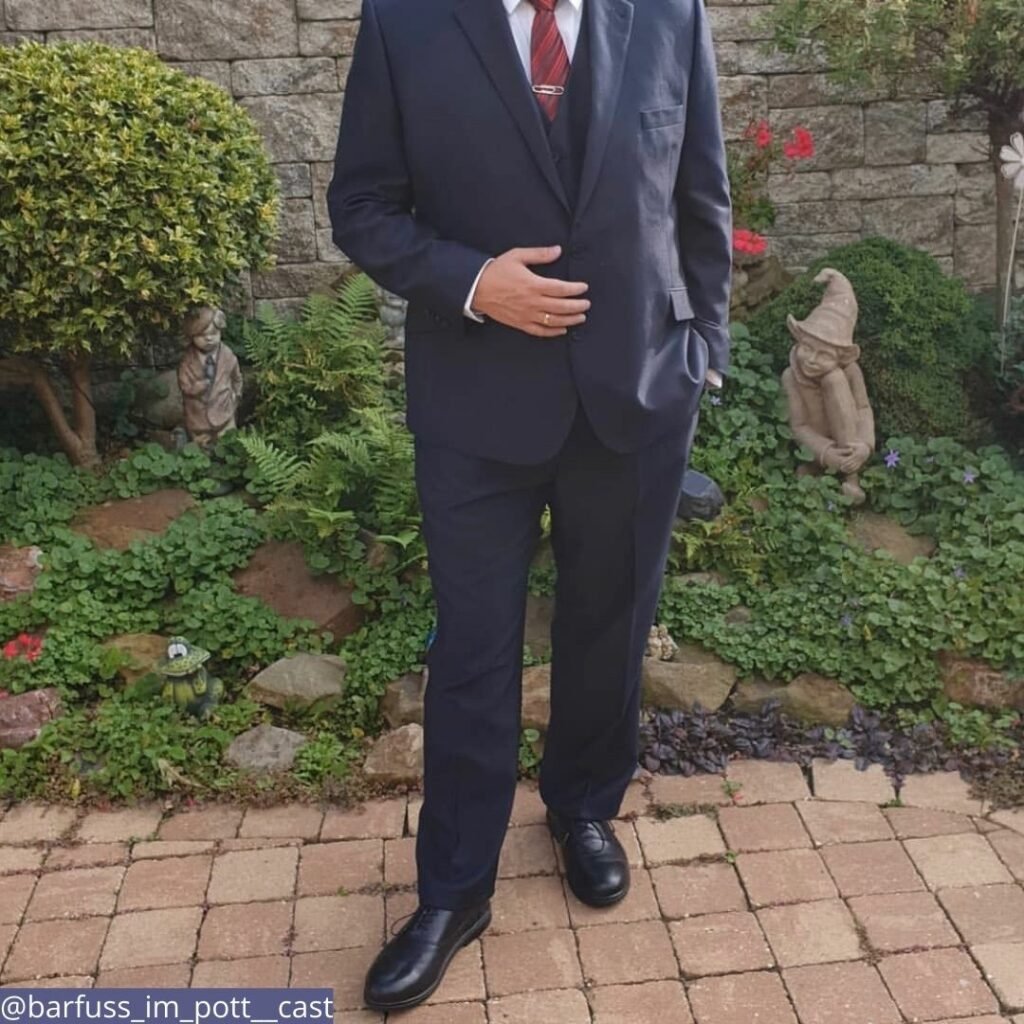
1000, 128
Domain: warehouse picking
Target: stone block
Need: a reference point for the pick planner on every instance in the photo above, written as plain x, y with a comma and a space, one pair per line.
895, 133
801, 188
822, 217
946, 116
738, 24
924, 223
838, 135
326, 250
297, 280
958, 148
284, 76
974, 255
216, 71
797, 251
295, 180
298, 128
322, 173
975, 195
226, 29
744, 98
14, 38
143, 38
816, 89
296, 238
327, 38
61, 14
328, 10
884, 182
757, 58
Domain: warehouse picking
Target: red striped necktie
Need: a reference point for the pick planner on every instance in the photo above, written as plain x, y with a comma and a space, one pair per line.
549, 60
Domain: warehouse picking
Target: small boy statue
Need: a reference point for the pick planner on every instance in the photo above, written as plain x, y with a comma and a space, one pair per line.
828, 402
209, 377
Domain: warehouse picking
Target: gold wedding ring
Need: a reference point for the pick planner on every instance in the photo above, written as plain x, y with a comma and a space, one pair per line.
547, 319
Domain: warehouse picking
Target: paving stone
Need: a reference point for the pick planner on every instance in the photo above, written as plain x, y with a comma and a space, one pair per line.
720, 944
366, 1017
398, 906
244, 875
980, 1020
34, 823
639, 905
767, 782
241, 930
895, 922
380, 819
87, 855
155, 849
811, 933
400, 861
679, 839
343, 970
863, 869
293, 821
527, 851
767, 827
119, 826
951, 861
449, 1013
693, 889
218, 822
1010, 848
653, 1002
692, 791
15, 891
840, 994
834, 822
79, 892
937, 983
916, 823
841, 780
531, 961
635, 802
1001, 963
528, 904
614, 954
565, 1007
741, 999
178, 882
331, 868
230, 845
940, 791
1012, 819
252, 972
66, 981
55, 947
984, 826
20, 858
412, 822
986, 914
151, 937
337, 922
160, 976
787, 876
625, 832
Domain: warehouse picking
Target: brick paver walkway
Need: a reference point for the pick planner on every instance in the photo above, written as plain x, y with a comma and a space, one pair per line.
753, 901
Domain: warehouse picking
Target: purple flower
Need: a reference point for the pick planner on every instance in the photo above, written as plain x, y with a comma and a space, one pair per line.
892, 458
970, 476
716, 399
960, 572
846, 621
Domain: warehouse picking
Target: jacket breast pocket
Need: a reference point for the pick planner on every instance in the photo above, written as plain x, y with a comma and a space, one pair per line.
662, 117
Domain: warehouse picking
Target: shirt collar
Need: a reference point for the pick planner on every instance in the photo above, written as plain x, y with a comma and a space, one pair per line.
511, 5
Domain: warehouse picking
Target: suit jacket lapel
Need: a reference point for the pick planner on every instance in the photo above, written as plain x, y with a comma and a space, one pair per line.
485, 22
611, 24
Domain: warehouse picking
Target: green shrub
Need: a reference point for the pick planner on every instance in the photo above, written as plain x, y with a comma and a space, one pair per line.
129, 192
925, 344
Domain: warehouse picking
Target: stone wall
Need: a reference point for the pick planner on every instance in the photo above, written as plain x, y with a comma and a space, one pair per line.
907, 166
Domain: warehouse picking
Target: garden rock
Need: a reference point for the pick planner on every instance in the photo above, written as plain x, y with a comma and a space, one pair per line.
117, 524
277, 574
539, 613
701, 498
19, 569
536, 710
403, 701
397, 756
809, 698
22, 717
143, 649
694, 676
300, 681
875, 532
265, 748
977, 684
702, 579
158, 401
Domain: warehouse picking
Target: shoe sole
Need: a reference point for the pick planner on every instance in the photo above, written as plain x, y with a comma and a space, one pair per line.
407, 1004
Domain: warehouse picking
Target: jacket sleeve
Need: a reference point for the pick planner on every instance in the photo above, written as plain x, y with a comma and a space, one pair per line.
371, 197
702, 196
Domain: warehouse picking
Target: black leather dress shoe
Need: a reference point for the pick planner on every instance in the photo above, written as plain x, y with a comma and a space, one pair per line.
595, 863
410, 967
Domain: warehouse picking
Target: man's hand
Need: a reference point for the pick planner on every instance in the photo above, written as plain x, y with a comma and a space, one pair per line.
512, 294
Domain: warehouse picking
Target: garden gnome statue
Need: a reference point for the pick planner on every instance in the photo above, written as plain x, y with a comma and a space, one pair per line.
828, 402
186, 681
209, 377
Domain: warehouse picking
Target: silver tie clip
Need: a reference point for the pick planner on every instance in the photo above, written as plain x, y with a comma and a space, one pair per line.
548, 90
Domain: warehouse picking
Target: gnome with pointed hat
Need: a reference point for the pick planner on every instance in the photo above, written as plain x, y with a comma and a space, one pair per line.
828, 401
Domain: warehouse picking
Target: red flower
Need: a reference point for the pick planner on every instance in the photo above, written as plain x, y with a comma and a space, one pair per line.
23, 645
761, 133
749, 242
801, 146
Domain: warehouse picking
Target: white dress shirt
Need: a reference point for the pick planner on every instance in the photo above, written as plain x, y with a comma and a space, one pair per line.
569, 16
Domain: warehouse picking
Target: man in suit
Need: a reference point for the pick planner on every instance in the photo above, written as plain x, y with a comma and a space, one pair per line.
544, 181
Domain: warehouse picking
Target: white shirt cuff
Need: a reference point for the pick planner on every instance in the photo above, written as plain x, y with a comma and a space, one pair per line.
713, 378
468, 308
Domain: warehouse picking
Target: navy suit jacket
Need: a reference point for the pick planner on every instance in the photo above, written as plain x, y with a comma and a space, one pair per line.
443, 162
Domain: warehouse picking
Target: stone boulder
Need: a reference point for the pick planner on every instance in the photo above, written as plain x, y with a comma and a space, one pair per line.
22, 717
19, 569
536, 710
809, 698
277, 574
117, 524
403, 701
143, 650
300, 681
694, 676
701, 497
266, 748
875, 532
539, 613
397, 756
158, 401
977, 684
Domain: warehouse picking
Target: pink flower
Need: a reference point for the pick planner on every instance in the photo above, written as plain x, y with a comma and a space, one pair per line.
749, 242
761, 133
801, 146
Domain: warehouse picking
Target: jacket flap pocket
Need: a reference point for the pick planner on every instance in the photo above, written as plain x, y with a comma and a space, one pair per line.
681, 308
663, 116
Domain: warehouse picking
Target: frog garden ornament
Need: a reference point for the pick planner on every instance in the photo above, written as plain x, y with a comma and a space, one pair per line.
186, 681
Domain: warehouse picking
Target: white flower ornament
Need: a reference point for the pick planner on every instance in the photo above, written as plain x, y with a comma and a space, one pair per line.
1012, 157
